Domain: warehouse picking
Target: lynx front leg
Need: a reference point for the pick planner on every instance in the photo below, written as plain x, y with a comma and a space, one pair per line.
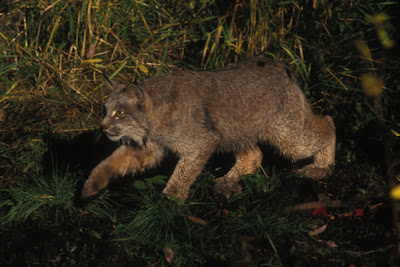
124, 160
185, 173
246, 162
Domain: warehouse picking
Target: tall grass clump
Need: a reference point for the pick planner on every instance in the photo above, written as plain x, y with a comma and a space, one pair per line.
53, 52
52, 56
49, 198
28, 200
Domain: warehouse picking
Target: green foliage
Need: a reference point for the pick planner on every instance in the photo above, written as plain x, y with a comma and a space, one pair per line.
27, 199
52, 55
45, 196
194, 230
261, 182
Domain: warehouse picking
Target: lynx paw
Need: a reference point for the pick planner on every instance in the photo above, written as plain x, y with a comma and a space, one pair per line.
226, 186
313, 172
176, 192
91, 188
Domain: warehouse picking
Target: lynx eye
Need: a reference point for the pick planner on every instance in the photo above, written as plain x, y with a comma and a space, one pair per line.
119, 114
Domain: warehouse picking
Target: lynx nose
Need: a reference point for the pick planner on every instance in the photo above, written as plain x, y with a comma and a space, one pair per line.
104, 126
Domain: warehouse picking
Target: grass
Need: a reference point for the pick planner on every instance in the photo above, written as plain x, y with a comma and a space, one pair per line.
51, 101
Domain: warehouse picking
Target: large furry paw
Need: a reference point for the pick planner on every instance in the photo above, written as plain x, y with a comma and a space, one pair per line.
94, 185
226, 186
98, 180
176, 192
313, 172
90, 188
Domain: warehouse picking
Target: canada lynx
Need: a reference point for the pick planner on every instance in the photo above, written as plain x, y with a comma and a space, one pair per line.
194, 114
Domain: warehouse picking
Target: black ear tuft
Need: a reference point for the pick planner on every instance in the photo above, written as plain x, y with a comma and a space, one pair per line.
111, 85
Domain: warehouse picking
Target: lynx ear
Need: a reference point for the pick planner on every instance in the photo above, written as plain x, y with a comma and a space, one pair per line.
140, 95
111, 85
135, 91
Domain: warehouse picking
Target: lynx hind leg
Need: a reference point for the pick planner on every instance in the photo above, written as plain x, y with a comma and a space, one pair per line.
126, 159
247, 162
324, 157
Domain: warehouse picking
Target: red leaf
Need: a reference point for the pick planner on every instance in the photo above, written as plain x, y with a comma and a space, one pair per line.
359, 212
320, 210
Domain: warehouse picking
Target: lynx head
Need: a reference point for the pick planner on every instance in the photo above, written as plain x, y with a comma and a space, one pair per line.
126, 117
